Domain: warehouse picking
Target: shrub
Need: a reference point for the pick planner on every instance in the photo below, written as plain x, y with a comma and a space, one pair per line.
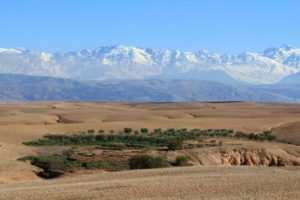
91, 131
213, 141
67, 152
230, 131
146, 162
55, 163
220, 143
157, 130
171, 130
241, 135
175, 144
102, 165
267, 135
117, 144
200, 140
182, 161
101, 131
100, 138
127, 130
144, 130
27, 158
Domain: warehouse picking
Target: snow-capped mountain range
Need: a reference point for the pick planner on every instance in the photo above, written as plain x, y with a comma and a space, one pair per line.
127, 62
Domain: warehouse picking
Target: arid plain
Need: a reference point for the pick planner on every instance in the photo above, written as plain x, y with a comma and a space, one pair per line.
209, 178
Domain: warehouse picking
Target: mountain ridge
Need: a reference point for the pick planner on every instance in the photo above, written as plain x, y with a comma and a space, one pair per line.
128, 62
31, 88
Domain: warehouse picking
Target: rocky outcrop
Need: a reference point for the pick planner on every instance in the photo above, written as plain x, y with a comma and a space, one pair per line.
243, 153
257, 158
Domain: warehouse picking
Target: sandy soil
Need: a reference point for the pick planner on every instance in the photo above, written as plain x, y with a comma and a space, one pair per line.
289, 131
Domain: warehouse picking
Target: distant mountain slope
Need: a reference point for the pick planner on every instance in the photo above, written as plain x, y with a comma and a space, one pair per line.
127, 62
211, 75
292, 79
287, 90
30, 88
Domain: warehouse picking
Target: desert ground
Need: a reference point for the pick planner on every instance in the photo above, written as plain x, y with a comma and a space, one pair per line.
208, 179
169, 183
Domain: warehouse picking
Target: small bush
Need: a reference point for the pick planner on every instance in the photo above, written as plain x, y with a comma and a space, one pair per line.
117, 144
200, 140
175, 144
91, 131
220, 143
27, 158
213, 141
144, 130
103, 165
100, 138
68, 152
101, 131
146, 162
157, 130
241, 135
230, 131
127, 130
182, 161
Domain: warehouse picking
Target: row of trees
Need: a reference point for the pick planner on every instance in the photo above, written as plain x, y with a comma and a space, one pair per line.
266, 135
171, 138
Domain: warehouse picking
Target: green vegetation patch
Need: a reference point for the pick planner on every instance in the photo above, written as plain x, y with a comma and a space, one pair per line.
62, 164
182, 161
171, 138
147, 162
266, 135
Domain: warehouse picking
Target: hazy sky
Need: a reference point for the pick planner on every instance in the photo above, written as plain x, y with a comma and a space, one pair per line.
220, 25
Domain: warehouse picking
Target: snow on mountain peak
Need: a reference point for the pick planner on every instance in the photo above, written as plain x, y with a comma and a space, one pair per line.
286, 47
129, 62
286, 54
12, 50
46, 57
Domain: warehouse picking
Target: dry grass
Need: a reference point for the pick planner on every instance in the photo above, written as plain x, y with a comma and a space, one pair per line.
289, 131
170, 183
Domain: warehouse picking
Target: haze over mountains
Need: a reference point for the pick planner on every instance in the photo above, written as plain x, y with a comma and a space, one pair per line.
126, 62
125, 73
33, 88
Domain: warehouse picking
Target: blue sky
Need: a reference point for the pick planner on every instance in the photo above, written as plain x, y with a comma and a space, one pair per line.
220, 25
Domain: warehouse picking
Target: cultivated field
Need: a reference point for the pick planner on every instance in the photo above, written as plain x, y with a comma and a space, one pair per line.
169, 183
21, 122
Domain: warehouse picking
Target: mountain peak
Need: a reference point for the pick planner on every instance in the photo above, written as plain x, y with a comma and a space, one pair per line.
12, 50
129, 62
287, 47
